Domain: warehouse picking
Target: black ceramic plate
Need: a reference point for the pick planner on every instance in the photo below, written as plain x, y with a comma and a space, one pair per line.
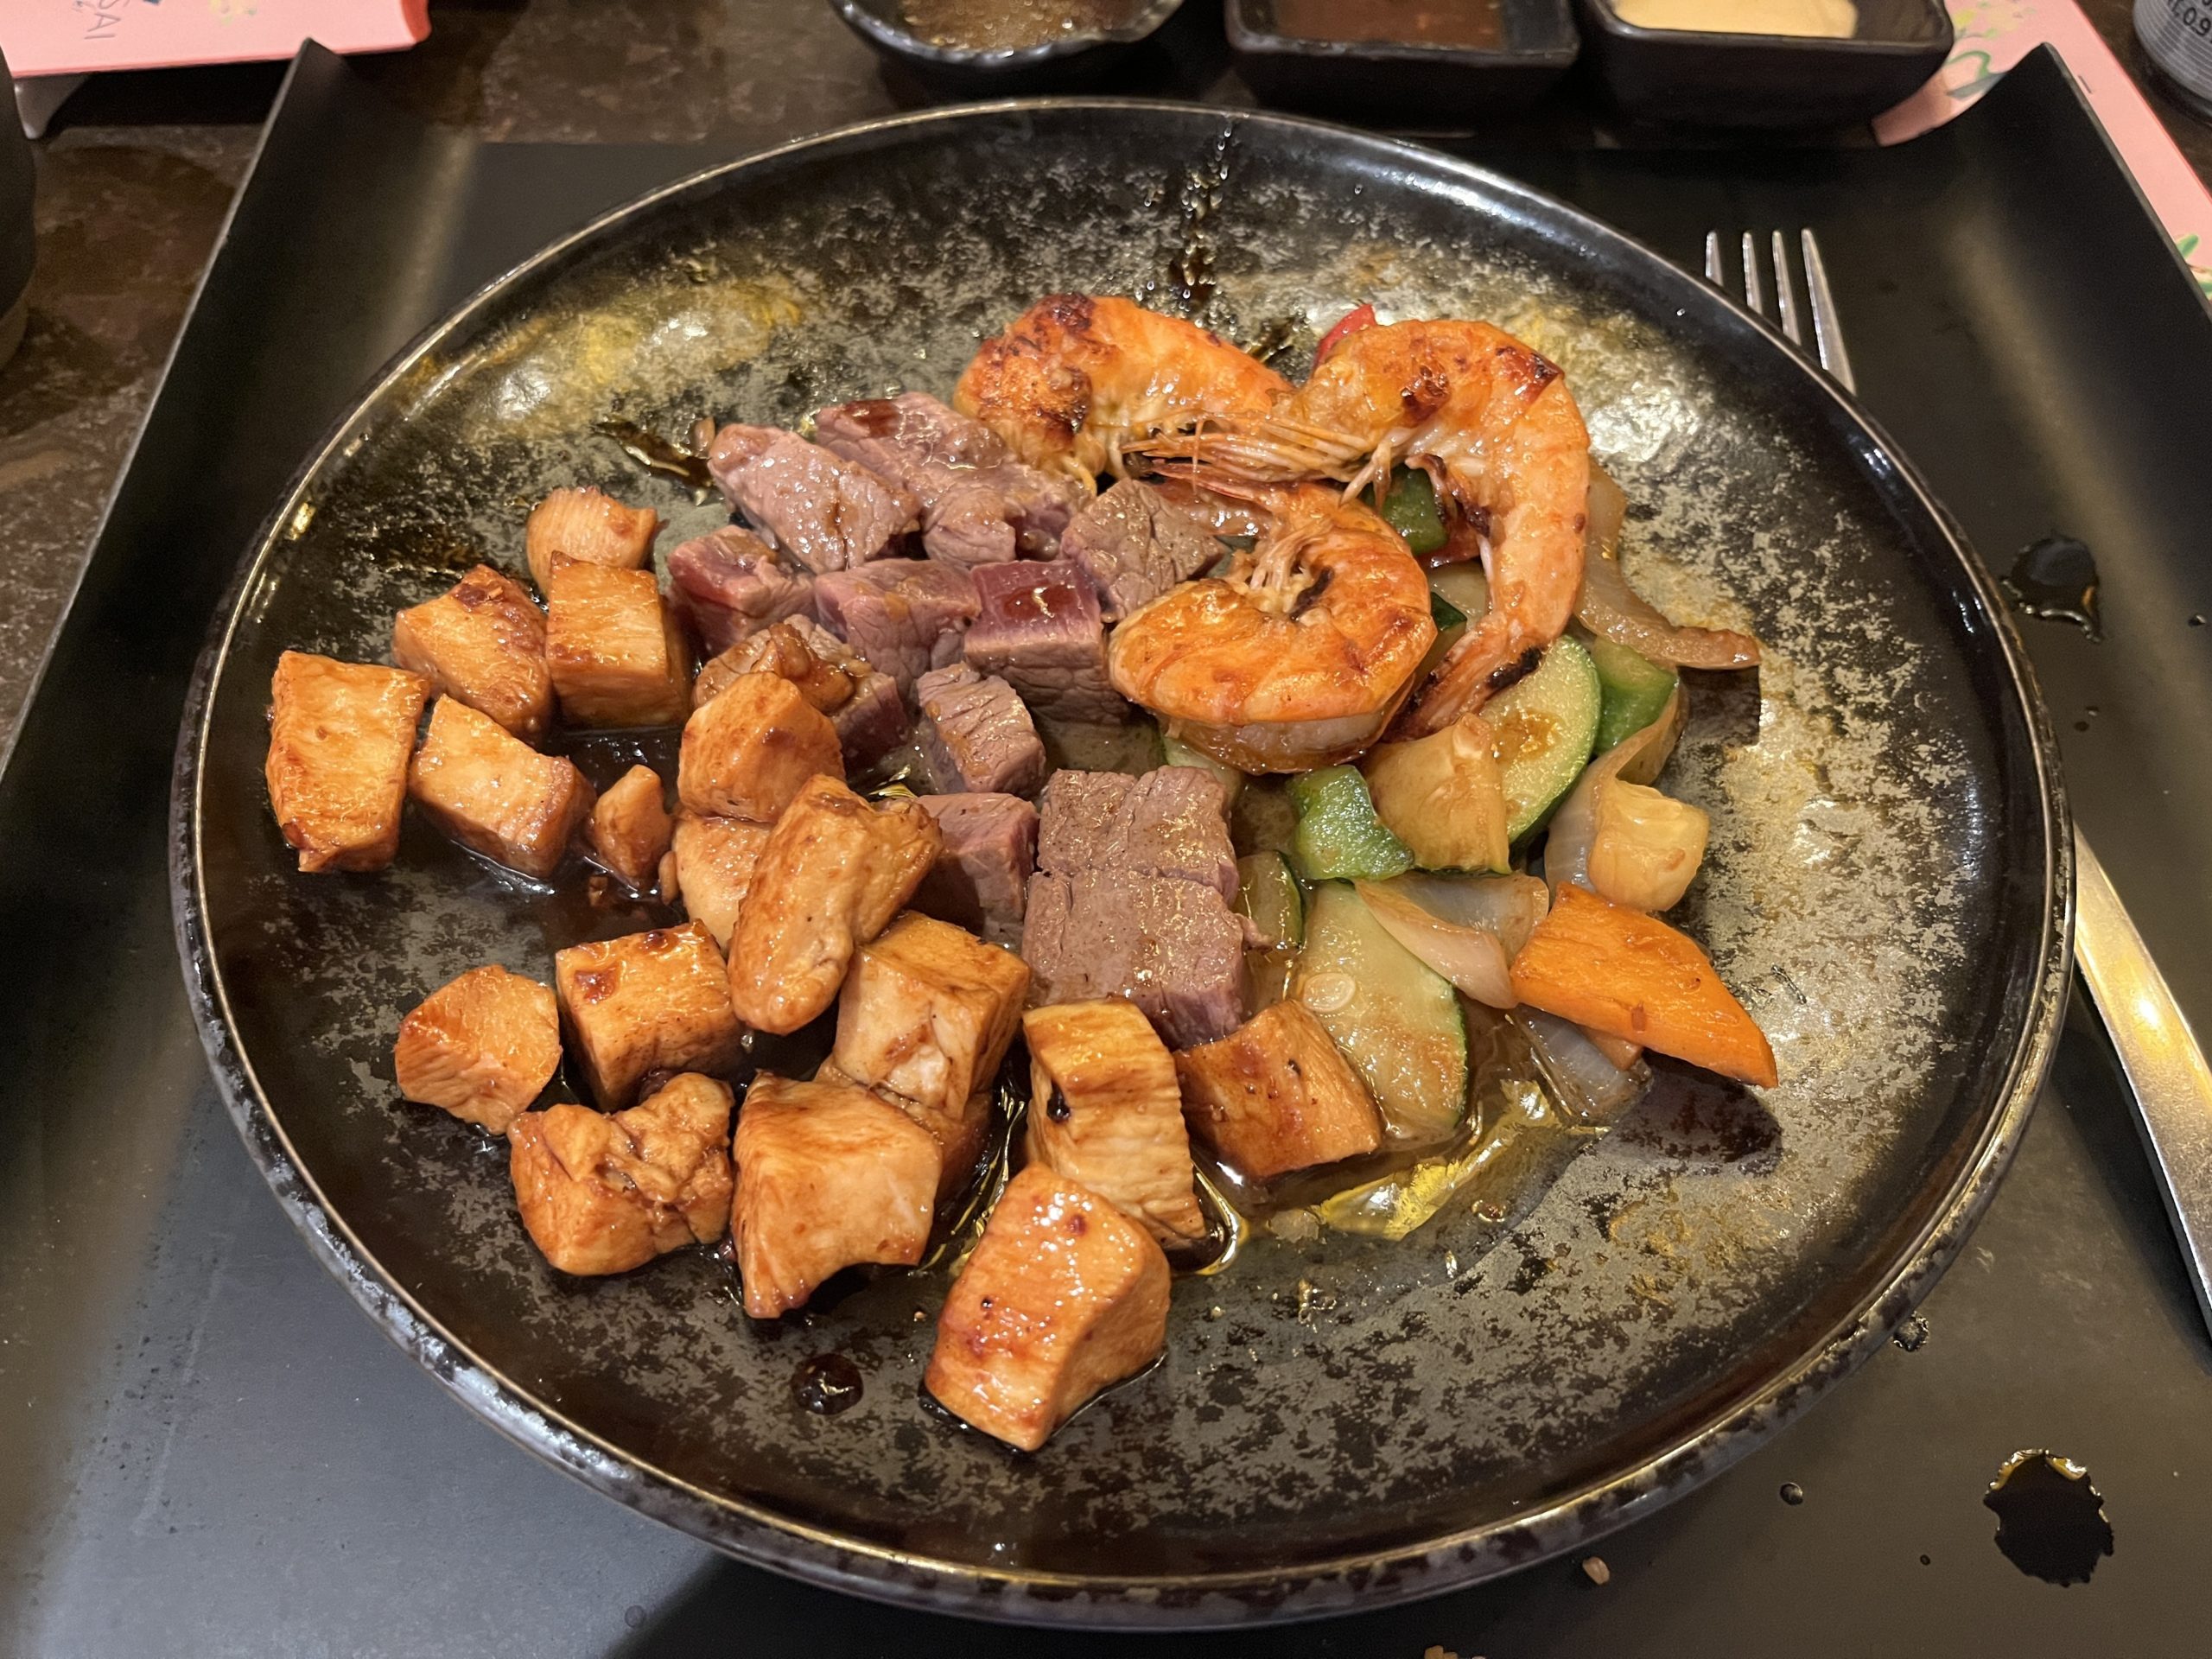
1336, 1420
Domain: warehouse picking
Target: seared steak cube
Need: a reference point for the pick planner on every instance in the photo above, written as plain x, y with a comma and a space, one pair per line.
630, 829
492, 792
588, 525
828, 1177
1134, 546
482, 641
1171, 947
1276, 1094
826, 513
616, 653
604, 1194
981, 875
960, 1128
907, 616
651, 1002
483, 1046
731, 583
863, 705
1064, 1296
834, 872
340, 734
976, 736
746, 752
1104, 1110
1038, 628
714, 859
927, 1012
1172, 821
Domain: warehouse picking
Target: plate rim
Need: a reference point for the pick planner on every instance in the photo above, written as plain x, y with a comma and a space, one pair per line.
1718, 1437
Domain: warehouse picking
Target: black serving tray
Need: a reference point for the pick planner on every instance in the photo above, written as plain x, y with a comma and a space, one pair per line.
212, 1451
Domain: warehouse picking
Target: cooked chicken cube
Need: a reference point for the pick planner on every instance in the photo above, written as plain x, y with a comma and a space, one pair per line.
492, 791
959, 1130
1064, 1296
482, 641
340, 734
607, 1194
589, 525
614, 649
928, 1011
651, 1002
822, 666
483, 1046
828, 1177
747, 752
714, 859
834, 873
1275, 1095
631, 828
1104, 1110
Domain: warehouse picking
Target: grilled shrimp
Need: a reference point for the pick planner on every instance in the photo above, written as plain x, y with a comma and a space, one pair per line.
1077, 377
1493, 426
1300, 656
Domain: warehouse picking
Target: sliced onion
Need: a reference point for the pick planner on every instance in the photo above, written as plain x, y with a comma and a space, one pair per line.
1466, 928
1608, 606
1589, 1085
1636, 758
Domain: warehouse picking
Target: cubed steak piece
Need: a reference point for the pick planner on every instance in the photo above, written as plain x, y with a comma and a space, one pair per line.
828, 1177
1275, 1095
960, 1128
863, 705
1133, 546
483, 641
907, 616
826, 513
1064, 1296
631, 828
651, 1002
715, 860
482, 1047
589, 525
927, 1012
495, 794
746, 752
1105, 1110
1037, 627
604, 1194
832, 875
976, 737
340, 734
730, 583
979, 504
1171, 947
981, 875
613, 646
1172, 821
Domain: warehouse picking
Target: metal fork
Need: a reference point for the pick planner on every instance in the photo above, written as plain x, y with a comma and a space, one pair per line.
2167, 1076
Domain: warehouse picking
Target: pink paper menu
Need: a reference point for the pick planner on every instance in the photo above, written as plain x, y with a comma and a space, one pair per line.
1994, 35
77, 37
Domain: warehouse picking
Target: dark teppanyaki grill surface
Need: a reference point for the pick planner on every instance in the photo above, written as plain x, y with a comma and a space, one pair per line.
1360, 1419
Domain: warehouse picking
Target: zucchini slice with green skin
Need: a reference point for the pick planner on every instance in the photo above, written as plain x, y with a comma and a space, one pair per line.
1267, 893
1397, 1021
1174, 751
1339, 835
1463, 587
1409, 506
1546, 726
1635, 691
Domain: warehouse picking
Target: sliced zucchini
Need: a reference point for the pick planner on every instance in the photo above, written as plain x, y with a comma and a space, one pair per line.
1339, 836
1546, 726
1635, 691
1409, 506
1396, 1020
1174, 751
1463, 587
1446, 615
1268, 892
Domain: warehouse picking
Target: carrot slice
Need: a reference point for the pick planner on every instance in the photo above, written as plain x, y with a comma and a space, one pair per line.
1628, 976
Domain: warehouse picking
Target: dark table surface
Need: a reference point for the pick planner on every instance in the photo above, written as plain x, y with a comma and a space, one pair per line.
134, 184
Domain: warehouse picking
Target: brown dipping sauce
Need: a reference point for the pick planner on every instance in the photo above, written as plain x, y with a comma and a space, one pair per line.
1005, 25
1422, 23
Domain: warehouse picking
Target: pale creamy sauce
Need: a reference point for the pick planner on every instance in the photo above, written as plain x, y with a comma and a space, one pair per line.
1827, 19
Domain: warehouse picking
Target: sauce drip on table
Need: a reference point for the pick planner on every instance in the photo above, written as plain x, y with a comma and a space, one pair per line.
2050, 1520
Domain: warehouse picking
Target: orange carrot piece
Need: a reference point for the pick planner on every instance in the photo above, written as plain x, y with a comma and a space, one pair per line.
1629, 976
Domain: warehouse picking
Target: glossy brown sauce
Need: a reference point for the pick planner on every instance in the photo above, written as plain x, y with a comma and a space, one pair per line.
1423, 22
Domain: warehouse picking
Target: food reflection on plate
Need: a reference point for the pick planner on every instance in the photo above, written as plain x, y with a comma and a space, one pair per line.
1139, 799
